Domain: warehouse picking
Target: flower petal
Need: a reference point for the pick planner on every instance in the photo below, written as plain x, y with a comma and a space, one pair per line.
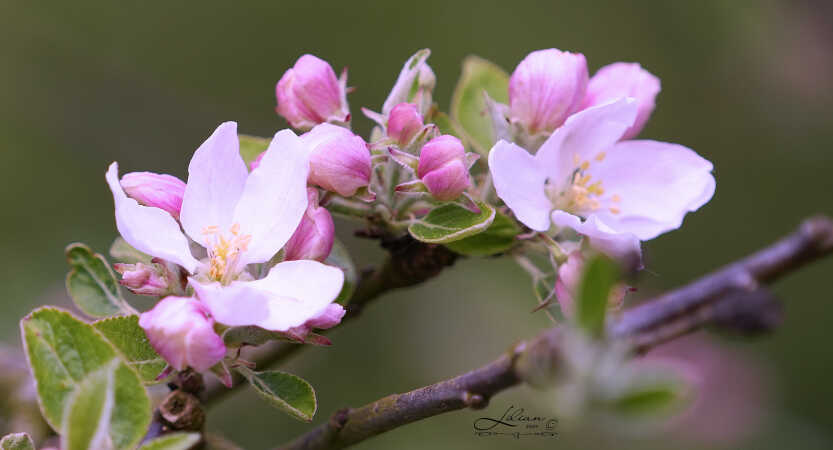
148, 229
584, 136
617, 245
519, 181
656, 184
216, 176
274, 198
291, 294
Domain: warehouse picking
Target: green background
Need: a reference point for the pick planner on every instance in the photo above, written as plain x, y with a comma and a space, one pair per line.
748, 84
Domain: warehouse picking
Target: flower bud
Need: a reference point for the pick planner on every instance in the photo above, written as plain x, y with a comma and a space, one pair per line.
313, 239
404, 123
619, 80
154, 189
309, 93
545, 88
180, 330
569, 279
143, 279
330, 317
340, 160
443, 168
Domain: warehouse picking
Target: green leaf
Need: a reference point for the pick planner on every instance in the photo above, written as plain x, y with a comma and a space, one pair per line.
61, 351
92, 284
251, 335
121, 251
251, 147
600, 275
129, 338
446, 124
651, 391
451, 222
340, 257
499, 237
108, 409
285, 391
172, 441
17, 441
468, 106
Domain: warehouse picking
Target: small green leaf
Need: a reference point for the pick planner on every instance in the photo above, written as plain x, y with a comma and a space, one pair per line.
446, 124
17, 441
499, 237
340, 257
172, 441
407, 81
129, 338
600, 275
62, 351
452, 222
287, 392
92, 284
468, 106
251, 147
121, 251
651, 391
251, 335
108, 409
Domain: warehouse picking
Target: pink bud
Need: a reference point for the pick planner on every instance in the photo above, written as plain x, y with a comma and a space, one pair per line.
567, 285
154, 189
443, 168
340, 160
309, 93
545, 88
313, 239
404, 123
619, 80
330, 317
143, 279
181, 331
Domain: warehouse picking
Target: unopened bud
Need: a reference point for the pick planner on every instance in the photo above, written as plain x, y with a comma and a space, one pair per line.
340, 160
619, 80
144, 279
309, 93
404, 123
313, 239
443, 167
154, 189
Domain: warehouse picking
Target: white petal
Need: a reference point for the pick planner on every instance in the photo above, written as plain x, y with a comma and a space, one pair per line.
292, 293
519, 181
216, 176
148, 229
621, 246
584, 136
657, 184
275, 197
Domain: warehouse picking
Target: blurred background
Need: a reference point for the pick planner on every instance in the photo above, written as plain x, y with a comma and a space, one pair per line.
747, 84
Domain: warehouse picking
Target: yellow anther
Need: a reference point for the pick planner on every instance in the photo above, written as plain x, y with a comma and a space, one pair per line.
585, 165
615, 210
596, 188
601, 156
616, 198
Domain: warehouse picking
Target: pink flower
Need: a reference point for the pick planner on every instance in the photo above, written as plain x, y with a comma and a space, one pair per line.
143, 279
340, 160
181, 331
154, 189
443, 168
313, 239
404, 123
545, 88
309, 93
619, 80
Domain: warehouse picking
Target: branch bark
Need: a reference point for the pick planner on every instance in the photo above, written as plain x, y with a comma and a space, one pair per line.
675, 313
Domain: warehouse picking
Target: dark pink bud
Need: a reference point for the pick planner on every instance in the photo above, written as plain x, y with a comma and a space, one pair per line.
404, 123
143, 279
443, 167
313, 239
153, 189
309, 93
340, 160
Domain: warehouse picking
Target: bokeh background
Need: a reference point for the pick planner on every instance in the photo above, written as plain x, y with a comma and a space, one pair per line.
748, 84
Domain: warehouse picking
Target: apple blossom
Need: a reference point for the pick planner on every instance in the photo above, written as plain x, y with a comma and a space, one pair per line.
404, 123
619, 80
153, 189
239, 218
313, 239
545, 88
614, 193
443, 167
309, 93
182, 332
340, 160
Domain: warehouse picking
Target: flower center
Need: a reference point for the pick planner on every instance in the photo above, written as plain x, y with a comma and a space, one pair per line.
224, 252
580, 194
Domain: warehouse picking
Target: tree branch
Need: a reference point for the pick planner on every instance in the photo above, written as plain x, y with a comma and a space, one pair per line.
675, 313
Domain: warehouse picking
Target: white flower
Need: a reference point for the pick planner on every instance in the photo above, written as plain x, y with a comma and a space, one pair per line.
614, 193
240, 218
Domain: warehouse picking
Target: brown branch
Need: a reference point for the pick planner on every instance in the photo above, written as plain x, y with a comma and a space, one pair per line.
652, 323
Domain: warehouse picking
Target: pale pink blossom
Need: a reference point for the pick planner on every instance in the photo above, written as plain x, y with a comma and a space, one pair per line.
545, 88
309, 93
443, 168
182, 332
619, 80
340, 160
314, 237
154, 189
